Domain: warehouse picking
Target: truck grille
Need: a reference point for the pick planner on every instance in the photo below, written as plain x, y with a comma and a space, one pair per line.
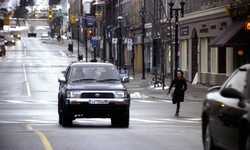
97, 95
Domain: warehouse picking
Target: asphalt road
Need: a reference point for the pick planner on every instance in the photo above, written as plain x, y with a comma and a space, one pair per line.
29, 120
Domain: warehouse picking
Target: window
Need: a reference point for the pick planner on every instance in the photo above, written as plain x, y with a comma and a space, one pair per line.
237, 81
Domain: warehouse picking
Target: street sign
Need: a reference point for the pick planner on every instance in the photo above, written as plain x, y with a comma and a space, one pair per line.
95, 43
129, 44
90, 21
60, 14
114, 40
97, 38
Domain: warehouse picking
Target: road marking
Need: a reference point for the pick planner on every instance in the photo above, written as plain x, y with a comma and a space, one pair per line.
26, 81
25, 50
146, 101
54, 120
29, 101
184, 120
43, 138
146, 120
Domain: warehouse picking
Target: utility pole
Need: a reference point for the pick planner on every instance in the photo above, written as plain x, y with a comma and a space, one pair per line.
104, 31
143, 14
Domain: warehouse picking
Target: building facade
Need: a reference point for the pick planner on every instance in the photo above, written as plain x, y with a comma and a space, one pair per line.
213, 41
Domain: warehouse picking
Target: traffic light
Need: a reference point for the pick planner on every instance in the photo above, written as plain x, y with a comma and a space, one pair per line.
36, 15
6, 20
247, 26
98, 16
90, 31
50, 15
12, 14
73, 19
1, 24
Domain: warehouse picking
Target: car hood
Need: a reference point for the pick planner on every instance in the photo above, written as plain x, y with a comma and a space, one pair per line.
96, 86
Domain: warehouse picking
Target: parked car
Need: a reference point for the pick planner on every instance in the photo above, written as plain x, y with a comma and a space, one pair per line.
93, 90
2, 47
2, 35
226, 113
9, 39
16, 34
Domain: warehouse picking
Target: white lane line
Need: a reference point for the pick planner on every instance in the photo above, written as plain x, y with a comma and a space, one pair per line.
183, 120
26, 80
145, 120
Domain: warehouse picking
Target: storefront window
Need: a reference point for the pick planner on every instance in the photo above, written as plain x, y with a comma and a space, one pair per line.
209, 56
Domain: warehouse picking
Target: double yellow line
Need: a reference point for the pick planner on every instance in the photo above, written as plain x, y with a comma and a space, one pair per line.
43, 138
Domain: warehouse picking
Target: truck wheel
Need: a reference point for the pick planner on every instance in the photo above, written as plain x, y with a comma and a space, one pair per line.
121, 120
65, 119
124, 119
60, 119
114, 121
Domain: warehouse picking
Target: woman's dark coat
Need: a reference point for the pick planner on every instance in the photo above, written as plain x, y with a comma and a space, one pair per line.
180, 88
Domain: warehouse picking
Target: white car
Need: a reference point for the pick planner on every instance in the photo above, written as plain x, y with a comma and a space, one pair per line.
45, 35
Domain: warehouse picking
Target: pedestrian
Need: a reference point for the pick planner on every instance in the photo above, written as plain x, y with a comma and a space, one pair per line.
180, 85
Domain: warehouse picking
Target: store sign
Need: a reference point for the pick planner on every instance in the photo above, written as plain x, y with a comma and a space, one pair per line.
184, 31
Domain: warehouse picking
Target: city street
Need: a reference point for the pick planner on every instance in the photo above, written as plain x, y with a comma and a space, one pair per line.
28, 108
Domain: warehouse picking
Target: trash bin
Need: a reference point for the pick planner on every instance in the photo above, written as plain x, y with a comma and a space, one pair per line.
70, 47
80, 57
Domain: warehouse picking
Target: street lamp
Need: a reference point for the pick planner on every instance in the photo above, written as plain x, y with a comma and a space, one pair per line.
121, 54
142, 14
176, 11
102, 20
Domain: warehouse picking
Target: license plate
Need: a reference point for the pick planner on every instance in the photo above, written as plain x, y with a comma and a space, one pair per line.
98, 101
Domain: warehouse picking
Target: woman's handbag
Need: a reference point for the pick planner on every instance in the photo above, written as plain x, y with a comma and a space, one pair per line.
172, 91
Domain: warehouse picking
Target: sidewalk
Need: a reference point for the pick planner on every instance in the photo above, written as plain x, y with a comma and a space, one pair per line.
193, 93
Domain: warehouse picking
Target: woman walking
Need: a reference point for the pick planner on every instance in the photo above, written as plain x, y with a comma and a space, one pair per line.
180, 85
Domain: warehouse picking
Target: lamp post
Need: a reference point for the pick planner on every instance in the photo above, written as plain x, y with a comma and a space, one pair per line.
142, 14
78, 37
104, 26
120, 51
176, 11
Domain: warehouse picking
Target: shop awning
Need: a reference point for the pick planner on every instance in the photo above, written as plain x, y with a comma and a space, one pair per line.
227, 34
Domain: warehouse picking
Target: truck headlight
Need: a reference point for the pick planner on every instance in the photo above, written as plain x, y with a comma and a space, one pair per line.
73, 94
120, 94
